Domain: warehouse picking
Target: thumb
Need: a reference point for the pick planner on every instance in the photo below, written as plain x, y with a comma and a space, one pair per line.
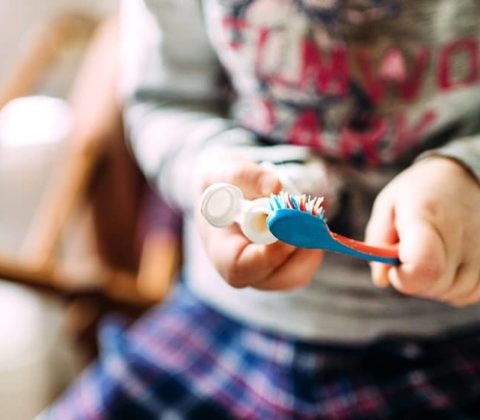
381, 231
423, 256
254, 180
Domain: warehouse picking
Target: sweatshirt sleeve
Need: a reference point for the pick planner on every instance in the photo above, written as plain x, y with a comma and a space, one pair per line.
173, 103
465, 150
170, 93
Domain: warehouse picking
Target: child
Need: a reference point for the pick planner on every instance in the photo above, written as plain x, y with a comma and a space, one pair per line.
383, 97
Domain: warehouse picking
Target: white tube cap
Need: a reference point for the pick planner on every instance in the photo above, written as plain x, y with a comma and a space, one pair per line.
220, 204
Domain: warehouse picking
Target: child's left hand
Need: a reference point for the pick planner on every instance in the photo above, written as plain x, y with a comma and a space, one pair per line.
433, 211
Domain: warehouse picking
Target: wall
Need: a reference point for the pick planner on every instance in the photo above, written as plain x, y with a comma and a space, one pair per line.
19, 16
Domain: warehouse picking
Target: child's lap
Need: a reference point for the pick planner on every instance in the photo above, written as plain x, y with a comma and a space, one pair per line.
185, 360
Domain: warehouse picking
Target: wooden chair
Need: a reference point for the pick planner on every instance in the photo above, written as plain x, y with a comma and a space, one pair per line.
97, 191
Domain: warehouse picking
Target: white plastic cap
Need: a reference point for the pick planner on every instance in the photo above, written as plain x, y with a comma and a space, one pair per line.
220, 204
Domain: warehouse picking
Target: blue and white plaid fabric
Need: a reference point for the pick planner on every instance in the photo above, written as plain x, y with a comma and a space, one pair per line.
187, 361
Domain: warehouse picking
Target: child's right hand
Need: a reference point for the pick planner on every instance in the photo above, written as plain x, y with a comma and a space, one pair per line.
241, 263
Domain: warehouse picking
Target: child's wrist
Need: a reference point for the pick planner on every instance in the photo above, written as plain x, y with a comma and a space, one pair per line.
446, 162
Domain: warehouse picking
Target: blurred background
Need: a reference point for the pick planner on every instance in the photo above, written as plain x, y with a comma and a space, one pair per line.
81, 234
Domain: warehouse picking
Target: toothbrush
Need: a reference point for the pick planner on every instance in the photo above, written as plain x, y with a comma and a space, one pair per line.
296, 220
300, 221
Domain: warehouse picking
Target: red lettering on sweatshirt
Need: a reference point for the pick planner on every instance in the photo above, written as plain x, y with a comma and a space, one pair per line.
393, 71
364, 143
236, 26
307, 131
446, 61
405, 136
327, 70
384, 140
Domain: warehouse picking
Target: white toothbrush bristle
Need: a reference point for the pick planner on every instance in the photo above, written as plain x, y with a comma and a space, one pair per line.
304, 203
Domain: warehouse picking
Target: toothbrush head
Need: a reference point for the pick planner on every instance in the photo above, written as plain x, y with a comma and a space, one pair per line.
303, 203
299, 221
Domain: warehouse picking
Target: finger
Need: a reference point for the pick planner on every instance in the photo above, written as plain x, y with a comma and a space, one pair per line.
257, 262
422, 254
380, 274
465, 282
295, 272
253, 179
472, 297
242, 263
381, 231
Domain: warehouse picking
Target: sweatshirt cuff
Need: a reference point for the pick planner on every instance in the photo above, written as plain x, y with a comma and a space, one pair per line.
465, 151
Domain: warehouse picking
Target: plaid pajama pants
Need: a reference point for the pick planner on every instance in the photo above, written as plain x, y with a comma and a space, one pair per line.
186, 361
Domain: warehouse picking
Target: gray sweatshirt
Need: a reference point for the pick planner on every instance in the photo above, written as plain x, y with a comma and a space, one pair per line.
359, 87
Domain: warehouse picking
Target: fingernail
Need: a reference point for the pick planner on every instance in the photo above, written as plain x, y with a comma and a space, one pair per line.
379, 275
268, 183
